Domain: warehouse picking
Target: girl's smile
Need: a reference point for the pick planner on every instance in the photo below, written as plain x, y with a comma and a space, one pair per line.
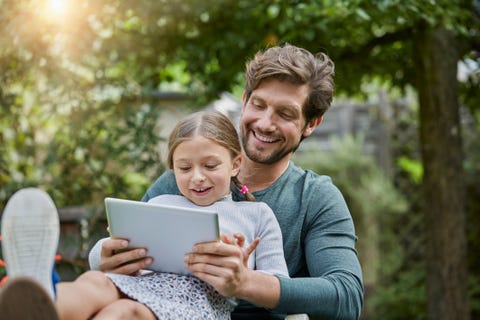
203, 170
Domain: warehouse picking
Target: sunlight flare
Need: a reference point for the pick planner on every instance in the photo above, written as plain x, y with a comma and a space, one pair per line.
57, 7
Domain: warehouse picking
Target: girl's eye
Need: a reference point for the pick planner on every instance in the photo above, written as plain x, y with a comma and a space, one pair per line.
211, 166
183, 168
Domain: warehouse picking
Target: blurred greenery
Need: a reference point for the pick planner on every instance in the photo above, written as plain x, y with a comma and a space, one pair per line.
79, 104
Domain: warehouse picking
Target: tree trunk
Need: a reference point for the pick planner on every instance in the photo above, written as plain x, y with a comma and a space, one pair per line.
436, 56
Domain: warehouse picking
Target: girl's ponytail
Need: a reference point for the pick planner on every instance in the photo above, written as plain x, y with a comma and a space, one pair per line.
243, 189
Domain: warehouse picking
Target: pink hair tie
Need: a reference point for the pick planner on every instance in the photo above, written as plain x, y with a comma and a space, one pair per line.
244, 190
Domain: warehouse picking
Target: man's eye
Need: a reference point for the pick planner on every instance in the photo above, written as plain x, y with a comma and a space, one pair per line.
287, 116
257, 105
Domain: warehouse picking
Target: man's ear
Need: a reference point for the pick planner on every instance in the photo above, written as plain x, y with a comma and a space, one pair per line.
311, 126
236, 165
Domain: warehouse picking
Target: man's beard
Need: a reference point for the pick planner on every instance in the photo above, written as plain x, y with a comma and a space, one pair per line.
259, 157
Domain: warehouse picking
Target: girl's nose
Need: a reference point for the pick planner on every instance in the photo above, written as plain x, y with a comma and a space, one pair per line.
198, 176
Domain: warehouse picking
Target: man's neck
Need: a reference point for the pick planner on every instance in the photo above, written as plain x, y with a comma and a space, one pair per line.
258, 176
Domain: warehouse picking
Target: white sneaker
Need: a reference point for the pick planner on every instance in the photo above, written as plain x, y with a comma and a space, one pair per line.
30, 233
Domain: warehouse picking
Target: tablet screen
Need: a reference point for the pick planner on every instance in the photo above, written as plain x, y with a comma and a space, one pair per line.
168, 232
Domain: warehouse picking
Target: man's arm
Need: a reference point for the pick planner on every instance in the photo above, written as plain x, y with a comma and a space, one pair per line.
337, 296
333, 288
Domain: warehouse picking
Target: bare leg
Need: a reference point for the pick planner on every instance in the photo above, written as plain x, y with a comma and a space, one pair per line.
84, 297
125, 309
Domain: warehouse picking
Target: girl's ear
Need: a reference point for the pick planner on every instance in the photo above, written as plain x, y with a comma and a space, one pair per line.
236, 165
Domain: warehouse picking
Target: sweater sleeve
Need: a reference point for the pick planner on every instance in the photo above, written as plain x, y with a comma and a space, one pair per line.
333, 289
95, 255
339, 296
269, 256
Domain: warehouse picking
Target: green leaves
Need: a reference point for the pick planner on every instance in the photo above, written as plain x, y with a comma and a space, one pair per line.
106, 55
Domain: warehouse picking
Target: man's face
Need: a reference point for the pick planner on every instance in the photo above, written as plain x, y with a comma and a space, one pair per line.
272, 122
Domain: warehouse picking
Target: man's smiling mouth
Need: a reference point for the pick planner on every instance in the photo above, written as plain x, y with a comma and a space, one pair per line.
263, 138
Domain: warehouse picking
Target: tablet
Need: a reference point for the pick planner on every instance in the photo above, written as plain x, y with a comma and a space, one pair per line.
168, 232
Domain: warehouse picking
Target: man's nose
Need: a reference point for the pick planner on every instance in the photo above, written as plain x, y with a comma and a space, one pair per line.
266, 121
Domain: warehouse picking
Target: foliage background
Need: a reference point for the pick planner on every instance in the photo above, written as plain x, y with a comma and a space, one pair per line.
79, 103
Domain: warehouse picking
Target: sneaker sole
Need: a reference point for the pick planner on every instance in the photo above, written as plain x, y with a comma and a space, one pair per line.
22, 298
30, 232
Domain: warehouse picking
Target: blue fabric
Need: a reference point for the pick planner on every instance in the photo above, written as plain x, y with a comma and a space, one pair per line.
55, 280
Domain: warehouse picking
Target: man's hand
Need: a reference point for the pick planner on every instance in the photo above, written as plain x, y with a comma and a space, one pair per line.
117, 258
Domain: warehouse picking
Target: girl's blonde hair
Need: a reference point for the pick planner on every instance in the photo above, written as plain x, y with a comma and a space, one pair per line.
212, 125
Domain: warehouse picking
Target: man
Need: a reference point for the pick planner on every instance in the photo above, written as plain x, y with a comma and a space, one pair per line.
287, 92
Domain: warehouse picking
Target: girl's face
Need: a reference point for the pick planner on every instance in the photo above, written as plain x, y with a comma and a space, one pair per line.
203, 170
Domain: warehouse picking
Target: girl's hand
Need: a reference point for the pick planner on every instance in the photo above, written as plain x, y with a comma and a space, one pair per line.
116, 257
239, 240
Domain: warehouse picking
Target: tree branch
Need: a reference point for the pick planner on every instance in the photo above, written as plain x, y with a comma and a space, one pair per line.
388, 38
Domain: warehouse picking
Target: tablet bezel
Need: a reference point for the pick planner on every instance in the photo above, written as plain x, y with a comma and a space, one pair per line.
168, 232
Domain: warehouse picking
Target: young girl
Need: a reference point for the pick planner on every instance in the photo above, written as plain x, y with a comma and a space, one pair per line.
204, 154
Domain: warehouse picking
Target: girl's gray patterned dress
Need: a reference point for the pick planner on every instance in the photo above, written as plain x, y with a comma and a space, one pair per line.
175, 297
